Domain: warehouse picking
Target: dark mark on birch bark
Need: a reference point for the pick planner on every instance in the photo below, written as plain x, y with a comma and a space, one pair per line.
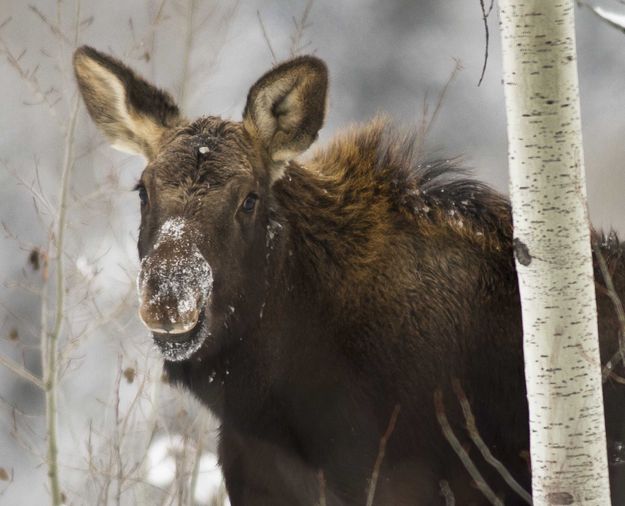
521, 252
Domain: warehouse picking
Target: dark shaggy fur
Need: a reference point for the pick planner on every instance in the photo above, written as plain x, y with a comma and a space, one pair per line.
396, 276
363, 280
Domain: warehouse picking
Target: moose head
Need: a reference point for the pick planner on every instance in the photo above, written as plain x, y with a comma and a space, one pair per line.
206, 192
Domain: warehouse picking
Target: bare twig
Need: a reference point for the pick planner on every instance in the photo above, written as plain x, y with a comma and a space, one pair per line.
439, 102
51, 348
485, 14
29, 77
274, 59
186, 54
299, 27
322, 487
447, 493
484, 450
6, 22
195, 470
428, 120
21, 371
375, 475
610, 290
461, 452
53, 28
618, 308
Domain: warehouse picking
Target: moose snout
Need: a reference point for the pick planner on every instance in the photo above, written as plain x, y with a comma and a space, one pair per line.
168, 318
174, 284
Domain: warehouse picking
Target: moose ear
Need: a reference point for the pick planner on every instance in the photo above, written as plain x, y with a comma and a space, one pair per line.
132, 113
286, 107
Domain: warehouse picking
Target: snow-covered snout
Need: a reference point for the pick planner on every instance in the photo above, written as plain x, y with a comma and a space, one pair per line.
175, 282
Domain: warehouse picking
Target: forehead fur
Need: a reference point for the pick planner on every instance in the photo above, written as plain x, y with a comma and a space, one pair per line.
207, 152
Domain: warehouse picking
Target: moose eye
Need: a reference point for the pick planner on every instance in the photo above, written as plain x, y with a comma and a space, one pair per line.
143, 194
249, 203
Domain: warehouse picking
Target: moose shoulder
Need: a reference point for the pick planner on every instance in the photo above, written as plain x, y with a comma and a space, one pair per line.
305, 302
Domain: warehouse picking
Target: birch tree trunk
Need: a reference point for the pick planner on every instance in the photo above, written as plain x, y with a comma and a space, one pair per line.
553, 253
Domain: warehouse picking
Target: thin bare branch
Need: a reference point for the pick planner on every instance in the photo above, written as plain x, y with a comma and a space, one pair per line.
375, 475
6, 22
29, 78
274, 59
618, 309
300, 26
485, 14
447, 493
186, 54
322, 488
461, 452
439, 102
21, 371
53, 28
51, 368
484, 450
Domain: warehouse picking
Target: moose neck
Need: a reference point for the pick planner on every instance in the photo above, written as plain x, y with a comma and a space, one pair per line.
335, 230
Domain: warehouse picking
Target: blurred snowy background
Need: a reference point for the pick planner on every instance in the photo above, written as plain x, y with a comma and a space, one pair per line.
124, 436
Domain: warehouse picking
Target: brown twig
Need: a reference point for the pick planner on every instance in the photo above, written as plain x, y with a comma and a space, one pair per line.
322, 488
375, 475
484, 450
485, 14
461, 452
21, 372
186, 54
274, 59
618, 308
51, 348
300, 25
439, 102
447, 493
428, 121
53, 28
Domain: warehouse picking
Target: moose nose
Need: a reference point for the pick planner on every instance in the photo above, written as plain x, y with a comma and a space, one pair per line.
169, 323
175, 282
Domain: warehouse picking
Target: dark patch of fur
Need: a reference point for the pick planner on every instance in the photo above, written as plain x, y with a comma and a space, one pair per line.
366, 278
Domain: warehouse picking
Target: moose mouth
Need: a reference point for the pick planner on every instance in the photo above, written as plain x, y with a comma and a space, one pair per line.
179, 347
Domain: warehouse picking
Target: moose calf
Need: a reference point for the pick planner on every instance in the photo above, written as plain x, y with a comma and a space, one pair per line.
307, 303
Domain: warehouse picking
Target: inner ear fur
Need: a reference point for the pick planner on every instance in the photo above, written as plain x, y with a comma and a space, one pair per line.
132, 113
286, 107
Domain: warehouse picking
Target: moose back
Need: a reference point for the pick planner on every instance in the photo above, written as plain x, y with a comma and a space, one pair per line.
317, 307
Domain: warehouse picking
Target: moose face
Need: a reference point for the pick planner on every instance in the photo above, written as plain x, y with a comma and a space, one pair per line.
205, 193
202, 238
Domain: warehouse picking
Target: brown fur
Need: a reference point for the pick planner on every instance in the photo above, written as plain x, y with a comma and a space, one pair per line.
360, 279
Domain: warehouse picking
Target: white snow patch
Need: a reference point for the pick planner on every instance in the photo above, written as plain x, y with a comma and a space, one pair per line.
173, 228
209, 479
162, 461
272, 231
85, 267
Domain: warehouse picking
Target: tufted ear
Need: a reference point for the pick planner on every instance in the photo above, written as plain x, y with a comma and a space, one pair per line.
286, 107
132, 113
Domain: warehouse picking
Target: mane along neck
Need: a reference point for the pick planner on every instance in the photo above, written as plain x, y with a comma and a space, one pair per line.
368, 186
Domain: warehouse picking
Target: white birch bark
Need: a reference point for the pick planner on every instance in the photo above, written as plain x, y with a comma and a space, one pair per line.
553, 254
